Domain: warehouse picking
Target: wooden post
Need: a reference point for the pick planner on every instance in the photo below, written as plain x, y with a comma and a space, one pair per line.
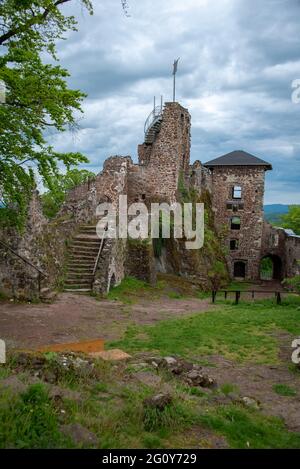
253, 295
278, 298
225, 294
39, 282
214, 294
237, 297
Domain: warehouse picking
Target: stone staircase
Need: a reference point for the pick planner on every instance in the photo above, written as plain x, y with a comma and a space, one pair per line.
83, 253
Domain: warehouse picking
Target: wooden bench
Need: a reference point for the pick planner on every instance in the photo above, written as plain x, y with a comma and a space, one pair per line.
238, 294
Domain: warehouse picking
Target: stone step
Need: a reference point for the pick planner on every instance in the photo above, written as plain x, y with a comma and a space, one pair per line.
87, 226
82, 263
87, 237
76, 284
85, 267
81, 267
87, 250
86, 243
80, 279
78, 290
84, 275
87, 256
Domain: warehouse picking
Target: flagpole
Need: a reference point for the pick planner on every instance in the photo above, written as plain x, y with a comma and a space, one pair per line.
174, 85
175, 66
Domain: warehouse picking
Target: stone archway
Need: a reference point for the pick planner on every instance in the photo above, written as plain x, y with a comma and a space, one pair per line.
271, 267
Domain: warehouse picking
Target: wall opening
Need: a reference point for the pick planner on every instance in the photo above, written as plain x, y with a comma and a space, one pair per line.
235, 223
236, 192
239, 269
271, 267
234, 244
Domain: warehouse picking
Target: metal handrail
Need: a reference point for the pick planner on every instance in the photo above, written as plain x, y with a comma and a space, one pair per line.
40, 272
99, 251
23, 258
153, 117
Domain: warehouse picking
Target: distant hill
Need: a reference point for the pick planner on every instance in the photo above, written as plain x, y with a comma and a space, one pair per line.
274, 212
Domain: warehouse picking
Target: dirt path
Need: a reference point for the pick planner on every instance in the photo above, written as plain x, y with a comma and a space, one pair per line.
77, 317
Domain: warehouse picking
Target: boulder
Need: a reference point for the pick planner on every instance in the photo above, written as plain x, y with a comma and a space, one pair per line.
196, 378
250, 402
13, 384
79, 434
148, 378
159, 401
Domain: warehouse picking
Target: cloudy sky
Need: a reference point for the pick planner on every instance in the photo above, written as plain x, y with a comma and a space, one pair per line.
238, 59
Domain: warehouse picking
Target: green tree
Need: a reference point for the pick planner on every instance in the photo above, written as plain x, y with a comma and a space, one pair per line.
53, 199
293, 283
292, 219
37, 98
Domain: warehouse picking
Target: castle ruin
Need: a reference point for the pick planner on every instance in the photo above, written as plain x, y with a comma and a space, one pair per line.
69, 253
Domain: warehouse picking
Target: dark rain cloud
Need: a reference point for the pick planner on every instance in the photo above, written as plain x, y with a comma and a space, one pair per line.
238, 60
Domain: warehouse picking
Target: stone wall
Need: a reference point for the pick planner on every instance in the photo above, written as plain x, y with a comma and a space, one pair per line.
111, 266
199, 178
161, 162
283, 247
17, 278
249, 209
140, 260
292, 256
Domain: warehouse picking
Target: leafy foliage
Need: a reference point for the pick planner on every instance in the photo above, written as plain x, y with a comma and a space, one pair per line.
293, 283
37, 98
58, 187
29, 421
292, 219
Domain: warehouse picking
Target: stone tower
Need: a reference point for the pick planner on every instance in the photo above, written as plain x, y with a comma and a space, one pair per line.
238, 182
165, 152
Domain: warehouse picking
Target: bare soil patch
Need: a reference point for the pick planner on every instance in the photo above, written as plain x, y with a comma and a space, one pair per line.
74, 317
257, 381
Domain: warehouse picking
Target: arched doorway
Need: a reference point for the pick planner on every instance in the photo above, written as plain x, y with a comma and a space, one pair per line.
271, 267
239, 269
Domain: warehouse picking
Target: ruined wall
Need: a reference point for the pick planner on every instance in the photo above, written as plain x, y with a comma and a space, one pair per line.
111, 267
82, 201
292, 256
17, 278
285, 246
140, 260
199, 178
249, 209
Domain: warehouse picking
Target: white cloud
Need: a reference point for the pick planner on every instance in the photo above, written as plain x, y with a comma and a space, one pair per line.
238, 59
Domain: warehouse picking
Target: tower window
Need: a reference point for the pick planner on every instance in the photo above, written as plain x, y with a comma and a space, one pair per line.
234, 244
236, 192
235, 223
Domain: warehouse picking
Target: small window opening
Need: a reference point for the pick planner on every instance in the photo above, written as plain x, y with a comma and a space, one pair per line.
235, 223
234, 244
237, 192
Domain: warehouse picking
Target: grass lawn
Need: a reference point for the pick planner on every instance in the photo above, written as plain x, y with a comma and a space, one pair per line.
110, 402
131, 289
243, 332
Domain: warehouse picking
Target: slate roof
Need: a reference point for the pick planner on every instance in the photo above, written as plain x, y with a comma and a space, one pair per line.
238, 158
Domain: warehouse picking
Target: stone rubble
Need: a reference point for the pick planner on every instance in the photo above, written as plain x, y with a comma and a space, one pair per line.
190, 373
